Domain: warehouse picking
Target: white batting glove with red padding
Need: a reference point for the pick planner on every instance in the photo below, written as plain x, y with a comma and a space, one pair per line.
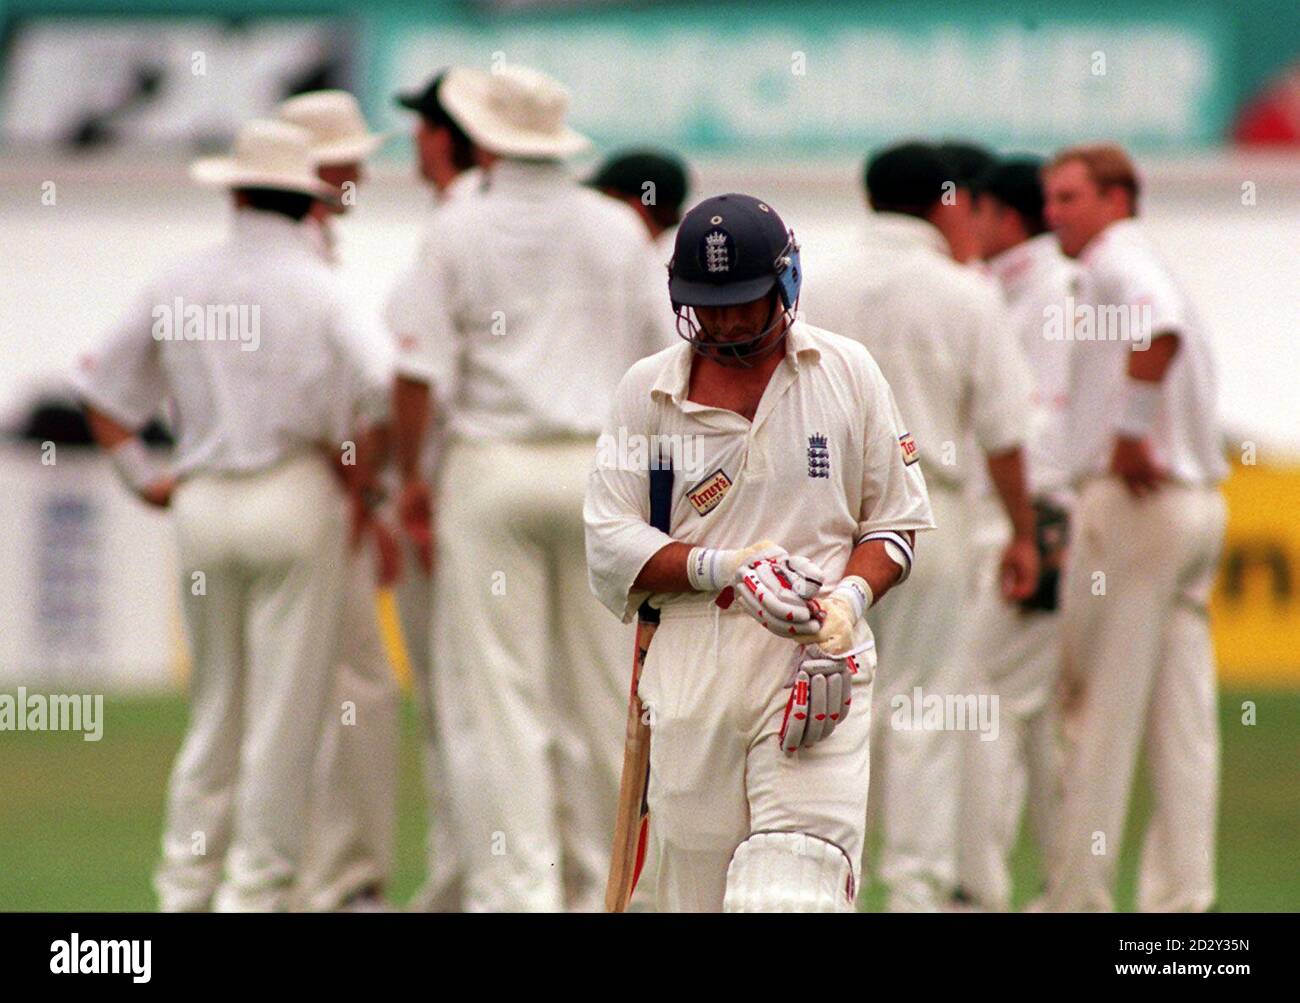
821, 692
779, 592
843, 608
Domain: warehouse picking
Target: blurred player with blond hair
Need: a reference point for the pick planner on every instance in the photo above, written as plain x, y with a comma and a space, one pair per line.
1146, 456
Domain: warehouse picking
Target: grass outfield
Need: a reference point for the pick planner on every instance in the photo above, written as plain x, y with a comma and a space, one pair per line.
80, 821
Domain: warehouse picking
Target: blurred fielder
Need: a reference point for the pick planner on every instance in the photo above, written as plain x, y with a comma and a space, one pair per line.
938, 331
1146, 454
654, 184
955, 217
445, 157
521, 312
254, 346
796, 496
1015, 649
349, 858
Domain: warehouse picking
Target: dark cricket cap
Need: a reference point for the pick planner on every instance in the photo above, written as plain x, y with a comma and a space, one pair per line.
1016, 183
726, 252
627, 172
424, 100
908, 176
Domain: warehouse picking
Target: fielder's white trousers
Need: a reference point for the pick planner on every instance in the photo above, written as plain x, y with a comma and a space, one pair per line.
1139, 666
443, 873
262, 568
353, 809
1015, 657
713, 686
536, 670
919, 628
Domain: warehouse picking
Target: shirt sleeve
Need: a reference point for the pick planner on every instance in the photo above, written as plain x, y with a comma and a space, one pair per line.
421, 315
1000, 381
1160, 304
893, 494
123, 377
616, 512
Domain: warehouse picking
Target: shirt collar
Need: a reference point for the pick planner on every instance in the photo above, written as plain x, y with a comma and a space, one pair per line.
258, 226
1121, 229
899, 229
528, 175
1016, 264
464, 183
674, 380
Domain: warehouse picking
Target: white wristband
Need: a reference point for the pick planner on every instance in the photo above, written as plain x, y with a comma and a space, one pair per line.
1138, 413
857, 593
704, 567
134, 466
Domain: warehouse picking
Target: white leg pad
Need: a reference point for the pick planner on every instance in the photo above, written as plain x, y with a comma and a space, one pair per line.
788, 872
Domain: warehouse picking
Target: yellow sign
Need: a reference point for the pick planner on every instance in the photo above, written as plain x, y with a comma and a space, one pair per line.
1255, 609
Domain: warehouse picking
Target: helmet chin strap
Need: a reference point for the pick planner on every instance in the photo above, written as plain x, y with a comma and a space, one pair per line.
737, 354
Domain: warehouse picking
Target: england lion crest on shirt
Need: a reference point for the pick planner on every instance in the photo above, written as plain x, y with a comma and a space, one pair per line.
819, 456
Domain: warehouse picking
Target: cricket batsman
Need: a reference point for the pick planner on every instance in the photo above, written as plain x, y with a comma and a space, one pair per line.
795, 501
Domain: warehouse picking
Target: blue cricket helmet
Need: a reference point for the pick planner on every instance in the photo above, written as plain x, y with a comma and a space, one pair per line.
733, 249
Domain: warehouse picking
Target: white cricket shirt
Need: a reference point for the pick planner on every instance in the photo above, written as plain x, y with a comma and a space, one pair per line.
1123, 269
527, 305
253, 345
1036, 279
824, 461
939, 332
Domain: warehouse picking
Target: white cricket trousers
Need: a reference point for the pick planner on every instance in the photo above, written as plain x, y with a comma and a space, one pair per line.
532, 671
916, 777
714, 689
353, 810
442, 888
262, 569
1015, 657
1139, 665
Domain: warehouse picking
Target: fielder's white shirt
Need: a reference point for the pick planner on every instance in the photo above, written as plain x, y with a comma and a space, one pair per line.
824, 462
1036, 278
1122, 268
253, 345
465, 183
939, 332
528, 304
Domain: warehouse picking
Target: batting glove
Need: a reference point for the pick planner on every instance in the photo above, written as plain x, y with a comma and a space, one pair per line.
821, 691
843, 608
779, 593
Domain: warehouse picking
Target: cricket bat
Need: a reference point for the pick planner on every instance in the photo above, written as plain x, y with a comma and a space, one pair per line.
631, 824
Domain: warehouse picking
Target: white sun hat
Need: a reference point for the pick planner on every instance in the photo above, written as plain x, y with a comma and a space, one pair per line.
267, 154
514, 112
339, 134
